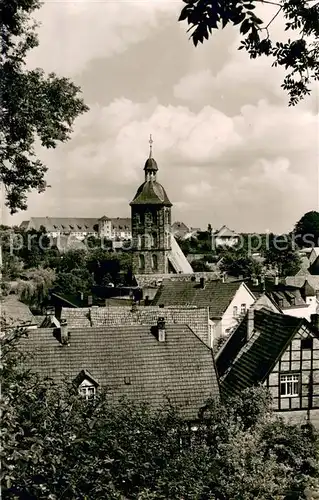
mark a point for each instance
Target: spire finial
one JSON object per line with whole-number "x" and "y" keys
{"x": 151, "y": 145}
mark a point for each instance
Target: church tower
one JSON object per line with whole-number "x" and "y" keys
{"x": 151, "y": 223}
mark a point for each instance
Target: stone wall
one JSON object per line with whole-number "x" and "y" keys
{"x": 150, "y": 239}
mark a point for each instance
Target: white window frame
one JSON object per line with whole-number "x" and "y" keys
{"x": 87, "y": 390}
{"x": 235, "y": 311}
{"x": 243, "y": 309}
{"x": 290, "y": 383}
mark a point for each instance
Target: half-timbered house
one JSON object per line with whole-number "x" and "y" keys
{"x": 279, "y": 351}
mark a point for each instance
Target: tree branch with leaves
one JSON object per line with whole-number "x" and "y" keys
{"x": 33, "y": 107}
{"x": 299, "y": 55}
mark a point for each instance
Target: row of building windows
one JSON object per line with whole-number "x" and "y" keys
{"x": 151, "y": 218}
{"x": 289, "y": 386}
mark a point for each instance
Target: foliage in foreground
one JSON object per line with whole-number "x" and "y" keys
{"x": 298, "y": 56}
{"x": 34, "y": 107}
{"x": 57, "y": 446}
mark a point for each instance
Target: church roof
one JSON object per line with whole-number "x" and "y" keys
{"x": 151, "y": 164}
{"x": 151, "y": 192}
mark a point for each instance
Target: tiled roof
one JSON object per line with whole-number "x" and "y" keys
{"x": 74, "y": 224}
{"x": 130, "y": 361}
{"x": 285, "y": 296}
{"x": 225, "y": 232}
{"x": 216, "y": 295}
{"x": 196, "y": 319}
{"x": 121, "y": 224}
{"x": 64, "y": 224}
{"x": 299, "y": 280}
{"x": 15, "y": 312}
{"x": 243, "y": 364}
{"x": 179, "y": 226}
{"x": 151, "y": 192}
{"x": 156, "y": 279}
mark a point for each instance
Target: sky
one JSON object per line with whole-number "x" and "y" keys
{"x": 229, "y": 149}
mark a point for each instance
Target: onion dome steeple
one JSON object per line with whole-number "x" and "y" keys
{"x": 150, "y": 167}
{"x": 151, "y": 192}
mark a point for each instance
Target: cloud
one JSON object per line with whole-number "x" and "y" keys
{"x": 73, "y": 33}
{"x": 252, "y": 171}
{"x": 240, "y": 80}
{"x": 229, "y": 150}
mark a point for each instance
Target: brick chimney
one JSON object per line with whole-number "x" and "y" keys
{"x": 314, "y": 319}
{"x": 161, "y": 332}
{"x": 202, "y": 282}
{"x": 134, "y": 307}
{"x": 64, "y": 332}
{"x": 90, "y": 300}
{"x": 250, "y": 322}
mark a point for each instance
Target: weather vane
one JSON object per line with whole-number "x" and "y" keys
{"x": 151, "y": 144}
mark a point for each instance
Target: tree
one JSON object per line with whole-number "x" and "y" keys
{"x": 299, "y": 56}
{"x": 109, "y": 267}
{"x": 34, "y": 290}
{"x": 281, "y": 256}
{"x": 200, "y": 265}
{"x": 73, "y": 282}
{"x": 33, "y": 106}
{"x": 55, "y": 445}
{"x": 306, "y": 232}
{"x": 238, "y": 263}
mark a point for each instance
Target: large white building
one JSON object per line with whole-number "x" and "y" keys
{"x": 80, "y": 227}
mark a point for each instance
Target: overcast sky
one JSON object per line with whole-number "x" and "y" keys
{"x": 229, "y": 149}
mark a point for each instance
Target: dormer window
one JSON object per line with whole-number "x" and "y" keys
{"x": 87, "y": 390}
{"x": 87, "y": 385}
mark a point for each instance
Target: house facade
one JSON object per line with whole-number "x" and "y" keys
{"x": 80, "y": 228}
{"x": 280, "y": 352}
{"x": 227, "y": 302}
{"x": 225, "y": 237}
{"x": 295, "y": 298}
{"x": 236, "y": 310}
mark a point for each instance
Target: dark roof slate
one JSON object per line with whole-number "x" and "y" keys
{"x": 151, "y": 193}
{"x": 195, "y": 318}
{"x": 216, "y": 295}
{"x": 129, "y": 361}
{"x": 150, "y": 165}
{"x": 242, "y": 364}
{"x": 15, "y": 312}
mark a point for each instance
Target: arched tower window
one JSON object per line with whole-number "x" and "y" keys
{"x": 154, "y": 240}
{"x": 154, "y": 262}
{"x": 141, "y": 261}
